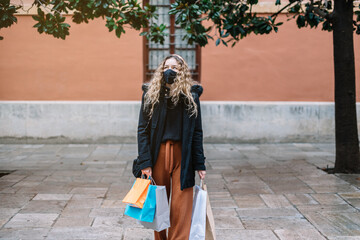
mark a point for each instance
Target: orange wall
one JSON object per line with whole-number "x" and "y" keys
{"x": 93, "y": 64}
{"x": 290, "y": 65}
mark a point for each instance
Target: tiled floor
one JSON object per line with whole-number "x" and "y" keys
{"x": 257, "y": 191}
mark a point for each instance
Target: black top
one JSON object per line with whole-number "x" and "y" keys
{"x": 173, "y": 121}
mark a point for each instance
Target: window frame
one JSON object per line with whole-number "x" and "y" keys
{"x": 147, "y": 73}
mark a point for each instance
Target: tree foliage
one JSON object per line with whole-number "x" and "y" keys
{"x": 119, "y": 14}
{"x": 232, "y": 19}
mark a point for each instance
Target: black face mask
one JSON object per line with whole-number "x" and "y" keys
{"x": 169, "y": 76}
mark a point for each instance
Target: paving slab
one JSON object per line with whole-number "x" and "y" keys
{"x": 74, "y": 221}
{"x": 52, "y": 197}
{"x": 138, "y": 233}
{"x": 24, "y": 233}
{"x": 249, "y": 201}
{"x": 44, "y": 206}
{"x": 300, "y": 234}
{"x": 300, "y": 199}
{"x": 230, "y": 234}
{"x": 76, "y": 212}
{"x": 67, "y": 233}
{"x": 328, "y": 198}
{"x": 336, "y": 224}
{"x": 276, "y": 201}
{"x": 84, "y": 203}
{"x": 265, "y": 213}
{"x": 32, "y": 220}
{"x": 15, "y": 200}
{"x": 257, "y": 191}
{"x": 277, "y": 223}
{"x": 227, "y": 222}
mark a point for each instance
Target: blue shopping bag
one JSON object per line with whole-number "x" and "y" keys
{"x": 146, "y": 213}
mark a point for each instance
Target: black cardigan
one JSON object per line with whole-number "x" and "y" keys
{"x": 150, "y": 135}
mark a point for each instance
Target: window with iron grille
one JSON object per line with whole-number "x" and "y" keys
{"x": 154, "y": 53}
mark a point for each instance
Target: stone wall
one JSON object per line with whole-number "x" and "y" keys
{"x": 116, "y": 121}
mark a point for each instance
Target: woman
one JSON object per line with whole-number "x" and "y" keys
{"x": 170, "y": 139}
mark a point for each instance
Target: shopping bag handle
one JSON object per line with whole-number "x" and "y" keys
{"x": 152, "y": 181}
{"x": 149, "y": 178}
{"x": 144, "y": 176}
{"x": 202, "y": 183}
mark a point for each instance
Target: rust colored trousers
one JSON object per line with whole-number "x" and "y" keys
{"x": 166, "y": 172}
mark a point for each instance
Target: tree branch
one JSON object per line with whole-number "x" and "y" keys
{"x": 282, "y": 9}
{"x": 46, "y": 7}
{"x": 321, "y": 13}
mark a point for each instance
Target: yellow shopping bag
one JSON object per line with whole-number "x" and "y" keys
{"x": 137, "y": 194}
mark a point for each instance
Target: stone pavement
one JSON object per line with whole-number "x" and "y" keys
{"x": 257, "y": 191}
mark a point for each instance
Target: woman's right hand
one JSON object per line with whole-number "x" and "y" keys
{"x": 147, "y": 171}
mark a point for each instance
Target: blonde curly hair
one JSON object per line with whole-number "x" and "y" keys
{"x": 182, "y": 85}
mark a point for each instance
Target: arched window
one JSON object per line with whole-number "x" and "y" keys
{"x": 153, "y": 53}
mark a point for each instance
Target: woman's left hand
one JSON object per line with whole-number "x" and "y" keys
{"x": 202, "y": 174}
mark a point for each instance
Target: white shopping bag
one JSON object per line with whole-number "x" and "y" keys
{"x": 162, "y": 212}
{"x": 198, "y": 218}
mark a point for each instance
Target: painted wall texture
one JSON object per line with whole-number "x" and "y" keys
{"x": 93, "y": 64}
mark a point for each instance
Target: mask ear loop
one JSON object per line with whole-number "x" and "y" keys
{"x": 163, "y": 83}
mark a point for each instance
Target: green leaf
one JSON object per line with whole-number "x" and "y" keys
{"x": 242, "y": 31}
{"x": 98, "y": 3}
{"x": 119, "y": 30}
{"x": 217, "y": 42}
{"x": 35, "y": 17}
{"x": 311, "y": 15}
{"x": 252, "y": 2}
{"x": 278, "y": 2}
{"x": 327, "y": 26}
{"x": 162, "y": 27}
{"x": 40, "y": 12}
{"x": 300, "y": 21}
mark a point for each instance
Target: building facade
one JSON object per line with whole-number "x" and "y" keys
{"x": 93, "y": 81}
